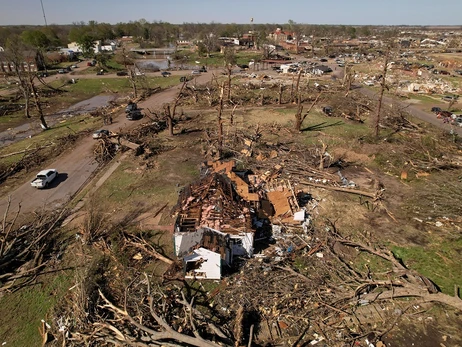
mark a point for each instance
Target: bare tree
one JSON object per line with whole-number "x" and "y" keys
{"x": 230, "y": 61}
{"x": 297, "y": 34}
{"x": 348, "y": 78}
{"x": 281, "y": 90}
{"x": 299, "y": 118}
{"x": 219, "y": 120}
{"x": 297, "y": 85}
{"x": 131, "y": 72}
{"x": 382, "y": 90}
{"x": 210, "y": 42}
{"x": 170, "y": 113}
{"x": 16, "y": 52}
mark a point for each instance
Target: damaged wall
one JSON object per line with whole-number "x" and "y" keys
{"x": 202, "y": 264}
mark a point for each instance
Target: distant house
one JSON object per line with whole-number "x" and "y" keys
{"x": 77, "y": 48}
{"x": 68, "y": 53}
{"x": 183, "y": 43}
{"x": 126, "y": 39}
{"x": 280, "y": 35}
{"x": 28, "y": 65}
{"x": 109, "y": 48}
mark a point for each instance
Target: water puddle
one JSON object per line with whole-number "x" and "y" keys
{"x": 28, "y": 130}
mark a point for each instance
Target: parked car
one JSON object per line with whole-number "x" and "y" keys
{"x": 131, "y": 107}
{"x": 450, "y": 97}
{"x": 134, "y": 115}
{"x": 195, "y": 72}
{"x": 42, "y": 74}
{"x": 328, "y": 110}
{"x": 61, "y": 71}
{"x": 98, "y": 134}
{"x": 369, "y": 83}
{"x": 122, "y": 73}
{"x": 100, "y": 72}
{"x": 458, "y": 121}
{"x": 165, "y": 73}
{"x": 436, "y": 109}
{"x": 44, "y": 178}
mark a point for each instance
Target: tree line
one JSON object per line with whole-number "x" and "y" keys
{"x": 160, "y": 34}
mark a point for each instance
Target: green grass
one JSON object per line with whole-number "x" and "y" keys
{"x": 425, "y": 99}
{"x": 70, "y": 126}
{"x": 22, "y": 311}
{"x": 439, "y": 261}
{"x": 120, "y": 184}
{"x": 97, "y": 86}
{"x": 112, "y": 64}
{"x": 216, "y": 59}
{"x": 364, "y": 261}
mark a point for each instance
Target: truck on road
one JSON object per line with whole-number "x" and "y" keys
{"x": 44, "y": 178}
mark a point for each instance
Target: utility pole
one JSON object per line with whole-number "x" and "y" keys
{"x": 43, "y": 11}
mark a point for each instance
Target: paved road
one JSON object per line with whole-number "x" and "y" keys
{"x": 77, "y": 167}
{"x": 413, "y": 110}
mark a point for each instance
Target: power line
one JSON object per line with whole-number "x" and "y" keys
{"x": 43, "y": 10}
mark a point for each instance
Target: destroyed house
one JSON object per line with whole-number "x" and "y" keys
{"x": 212, "y": 216}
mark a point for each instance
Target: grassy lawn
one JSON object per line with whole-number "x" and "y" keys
{"x": 22, "y": 311}
{"x": 439, "y": 261}
{"x": 216, "y": 59}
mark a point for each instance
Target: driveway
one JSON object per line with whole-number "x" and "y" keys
{"x": 76, "y": 168}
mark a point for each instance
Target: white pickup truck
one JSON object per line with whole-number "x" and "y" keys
{"x": 44, "y": 178}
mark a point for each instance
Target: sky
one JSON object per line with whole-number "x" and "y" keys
{"x": 347, "y": 12}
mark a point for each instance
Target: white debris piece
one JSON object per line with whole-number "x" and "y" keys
{"x": 299, "y": 216}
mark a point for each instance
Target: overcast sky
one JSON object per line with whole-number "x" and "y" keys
{"x": 348, "y": 12}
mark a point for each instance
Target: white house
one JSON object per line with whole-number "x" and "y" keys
{"x": 109, "y": 48}
{"x": 74, "y": 46}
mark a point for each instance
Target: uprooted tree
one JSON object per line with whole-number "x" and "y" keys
{"x": 26, "y": 250}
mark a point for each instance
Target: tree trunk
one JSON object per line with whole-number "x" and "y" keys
{"x": 292, "y": 96}
{"x": 297, "y": 86}
{"x": 220, "y": 123}
{"x": 38, "y": 105}
{"x": 281, "y": 89}
{"x": 228, "y": 96}
{"x": 298, "y": 116}
{"x": 169, "y": 120}
{"x": 26, "y": 94}
{"x": 382, "y": 90}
